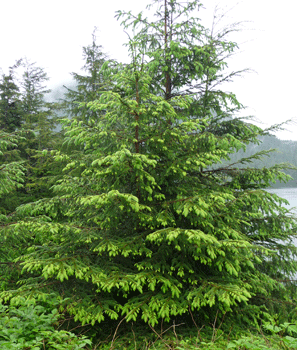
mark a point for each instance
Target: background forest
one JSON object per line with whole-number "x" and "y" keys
{"x": 135, "y": 210}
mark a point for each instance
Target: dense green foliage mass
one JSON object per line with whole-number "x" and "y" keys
{"x": 25, "y": 114}
{"x": 28, "y": 325}
{"x": 11, "y": 172}
{"x": 140, "y": 213}
{"x": 87, "y": 87}
{"x": 10, "y": 103}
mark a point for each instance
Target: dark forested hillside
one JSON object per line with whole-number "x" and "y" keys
{"x": 285, "y": 152}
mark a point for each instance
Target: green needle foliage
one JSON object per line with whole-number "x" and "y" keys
{"x": 87, "y": 87}
{"x": 38, "y": 128}
{"x": 12, "y": 174}
{"x": 10, "y": 103}
{"x": 11, "y": 171}
{"x": 147, "y": 223}
{"x": 39, "y": 117}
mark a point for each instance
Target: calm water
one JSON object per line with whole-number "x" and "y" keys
{"x": 290, "y": 194}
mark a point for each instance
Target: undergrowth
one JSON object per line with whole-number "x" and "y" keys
{"x": 36, "y": 325}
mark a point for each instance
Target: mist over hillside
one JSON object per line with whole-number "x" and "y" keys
{"x": 285, "y": 152}
{"x": 57, "y": 93}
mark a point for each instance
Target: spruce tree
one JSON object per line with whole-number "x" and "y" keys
{"x": 147, "y": 224}
{"x": 21, "y": 160}
{"x": 185, "y": 58}
{"x": 12, "y": 174}
{"x": 10, "y": 104}
{"x": 39, "y": 122}
{"x": 88, "y": 86}
{"x": 11, "y": 117}
{"x": 39, "y": 115}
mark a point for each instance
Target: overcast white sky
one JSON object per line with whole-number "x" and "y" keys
{"x": 52, "y": 34}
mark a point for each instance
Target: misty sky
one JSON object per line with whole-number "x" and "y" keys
{"x": 52, "y": 34}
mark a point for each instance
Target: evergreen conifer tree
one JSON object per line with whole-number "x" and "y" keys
{"x": 39, "y": 117}
{"x": 88, "y": 86}
{"x": 11, "y": 117}
{"x": 10, "y": 104}
{"x": 39, "y": 123}
{"x": 21, "y": 160}
{"x": 145, "y": 224}
{"x": 12, "y": 173}
{"x": 34, "y": 120}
